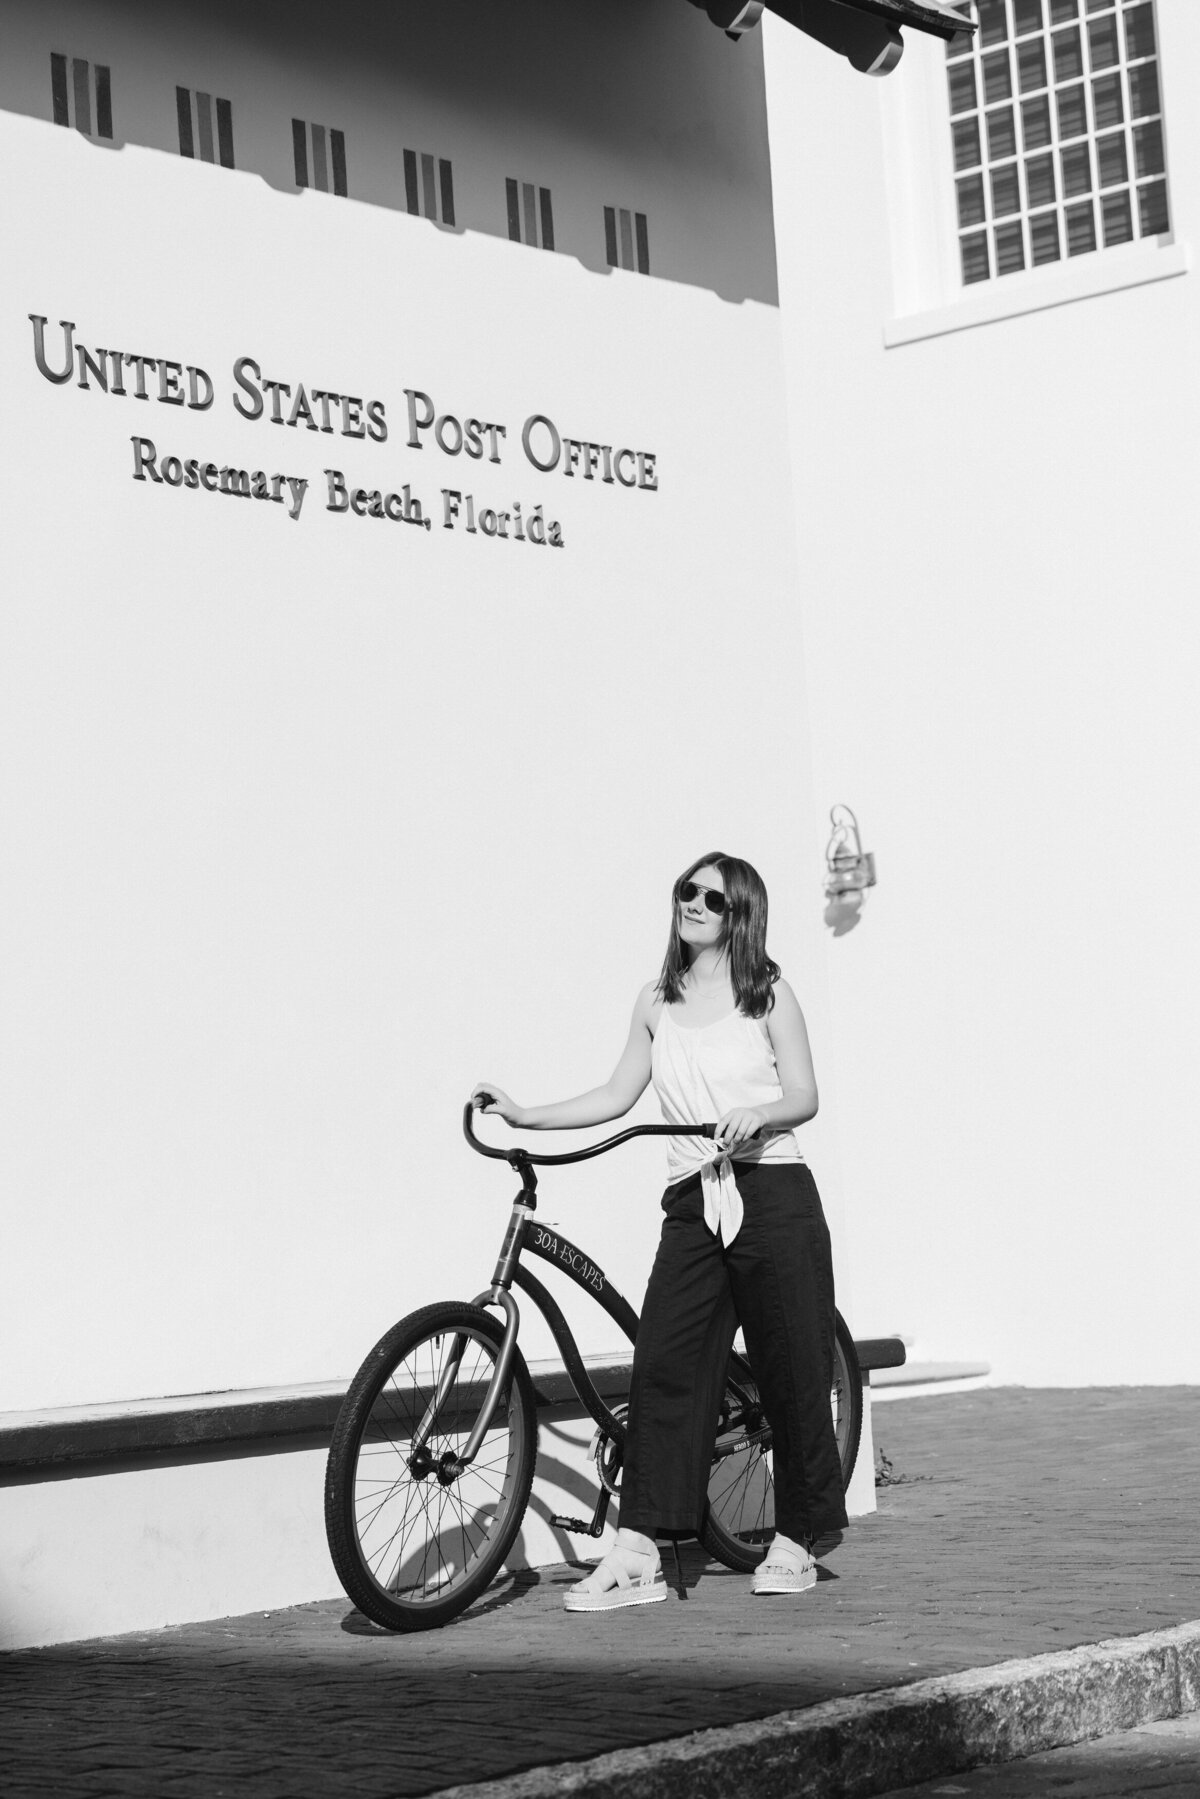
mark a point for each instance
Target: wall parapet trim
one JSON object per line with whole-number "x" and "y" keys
{"x": 241, "y": 1416}
{"x": 191, "y": 1422}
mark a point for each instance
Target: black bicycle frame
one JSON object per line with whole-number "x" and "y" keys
{"x": 550, "y": 1244}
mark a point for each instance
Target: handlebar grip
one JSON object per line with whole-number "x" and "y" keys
{"x": 484, "y": 1149}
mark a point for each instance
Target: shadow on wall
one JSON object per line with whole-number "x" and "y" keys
{"x": 843, "y": 912}
{"x": 631, "y": 136}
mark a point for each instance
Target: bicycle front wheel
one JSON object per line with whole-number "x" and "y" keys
{"x": 415, "y": 1538}
{"x": 739, "y": 1518}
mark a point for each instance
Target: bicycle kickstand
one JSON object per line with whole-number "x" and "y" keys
{"x": 683, "y": 1592}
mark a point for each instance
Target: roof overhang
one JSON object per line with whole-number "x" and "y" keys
{"x": 939, "y": 19}
{"x": 865, "y": 32}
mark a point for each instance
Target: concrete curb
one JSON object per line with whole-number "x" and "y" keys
{"x": 852, "y": 1748}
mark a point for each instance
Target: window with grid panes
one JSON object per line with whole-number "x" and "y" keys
{"x": 1056, "y": 116}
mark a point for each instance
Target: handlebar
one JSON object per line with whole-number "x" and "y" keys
{"x": 593, "y": 1149}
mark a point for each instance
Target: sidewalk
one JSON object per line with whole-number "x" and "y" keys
{"x": 1020, "y": 1522}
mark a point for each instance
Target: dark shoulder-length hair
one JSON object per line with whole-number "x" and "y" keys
{"x": 743, "y": 936}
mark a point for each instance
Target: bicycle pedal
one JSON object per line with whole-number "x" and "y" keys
{"x": 578, "y": 1525}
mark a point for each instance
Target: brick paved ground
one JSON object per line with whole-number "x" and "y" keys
{"x": 1023, "y": 1521}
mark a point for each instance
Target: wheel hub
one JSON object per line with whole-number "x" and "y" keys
{"x": 449, "y": 1469}
{"x": 421, "y": 1463}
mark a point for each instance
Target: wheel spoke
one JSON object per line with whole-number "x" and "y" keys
{"x": 741, "y": 1489}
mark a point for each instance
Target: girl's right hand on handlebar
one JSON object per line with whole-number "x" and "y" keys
{"x": 494, "y": 1102}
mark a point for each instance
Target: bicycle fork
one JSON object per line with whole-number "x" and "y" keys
{"x": 498, "y": 1294}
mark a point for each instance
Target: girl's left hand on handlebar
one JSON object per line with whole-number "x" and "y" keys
{"x": 740, "y": 1125}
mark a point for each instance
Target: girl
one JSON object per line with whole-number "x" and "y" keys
{"x": 743, "y": 1239}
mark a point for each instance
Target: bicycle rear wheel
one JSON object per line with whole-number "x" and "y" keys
{"x": 414, "y": 1541}
{"x": 739, "y": 1518}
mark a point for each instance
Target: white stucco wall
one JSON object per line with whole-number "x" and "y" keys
{"x": 999, "y": 577}
{"x": 309, "y": 824}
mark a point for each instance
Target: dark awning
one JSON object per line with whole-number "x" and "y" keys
{"x": 866, "y": 32}
{"x": 940, "y": 20}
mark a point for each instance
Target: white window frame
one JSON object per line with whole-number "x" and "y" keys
{"x": 929, "y": 298}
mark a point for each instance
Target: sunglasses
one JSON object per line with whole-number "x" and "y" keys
{"x": 714, "y": 899}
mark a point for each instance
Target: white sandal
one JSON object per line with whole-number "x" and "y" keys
{"x": 784, "y": 1575}
{"x": 643, "y": 1589}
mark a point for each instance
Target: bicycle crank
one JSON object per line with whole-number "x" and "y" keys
{"x": 579, "y": 1527}
{"x": 605, "y": 1451}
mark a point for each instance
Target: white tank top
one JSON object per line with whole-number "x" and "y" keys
{"x": 701, "y": 1072}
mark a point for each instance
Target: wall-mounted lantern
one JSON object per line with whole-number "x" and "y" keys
{"x": 850, "y": 871}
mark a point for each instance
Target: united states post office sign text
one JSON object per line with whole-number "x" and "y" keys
{"x": 256, "y": 396}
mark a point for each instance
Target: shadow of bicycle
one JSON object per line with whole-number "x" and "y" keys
{"x": 504, "y": 1591}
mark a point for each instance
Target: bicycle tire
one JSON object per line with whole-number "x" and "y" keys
{"x": 413, "y": 1549}
{"x": 739, "y": 1516}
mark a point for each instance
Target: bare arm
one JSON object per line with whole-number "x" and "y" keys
{"x": 625, "y": 1085}
{"x": 793, "y": 1059}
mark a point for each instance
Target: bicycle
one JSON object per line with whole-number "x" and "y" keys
{"x": 432, "y": 1459}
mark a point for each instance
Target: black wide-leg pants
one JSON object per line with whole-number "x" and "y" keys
{"x": 776, "y": 1280}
